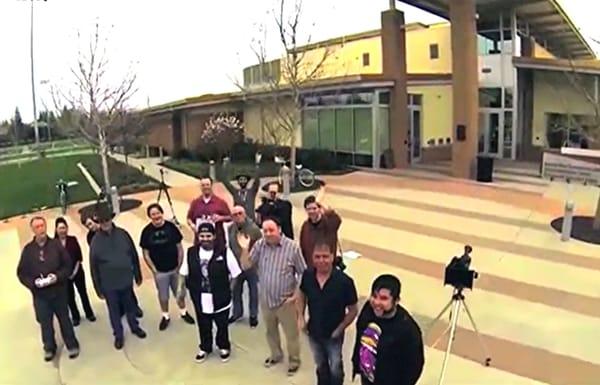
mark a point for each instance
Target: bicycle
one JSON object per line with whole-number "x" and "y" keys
{"x": 304, "y": 175}
{"x": 63, "y": 198}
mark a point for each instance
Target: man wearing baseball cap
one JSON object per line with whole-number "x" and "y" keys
{"x": 208, "y": 270}
{"x": 389, "y": 346}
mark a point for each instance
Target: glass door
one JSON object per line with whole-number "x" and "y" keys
{"x": 491, "y": 132}
{"x": 414, "y": 134}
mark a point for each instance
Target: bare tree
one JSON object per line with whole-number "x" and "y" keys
{"x": 127, "y": 131}
{"x": 592, "y": 129}
{"x": 284, "y": 80}
{"x": 98, "y": 99}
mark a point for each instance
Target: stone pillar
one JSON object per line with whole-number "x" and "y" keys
{"x": 393, "y": 44}
{"x": 465, "y": 88}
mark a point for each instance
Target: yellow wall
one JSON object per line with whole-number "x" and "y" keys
{"x": 417, "y": 49}
{"x": 554, "y": 93}
{"x": 342, "y": 59}
{"x": 436, "y": 111}
{"x": 541, "y": 52}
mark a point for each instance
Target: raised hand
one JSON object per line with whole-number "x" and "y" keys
{"x": 243, "y": 240}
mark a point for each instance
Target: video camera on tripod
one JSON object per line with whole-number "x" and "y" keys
{"x": 458, "y": 273}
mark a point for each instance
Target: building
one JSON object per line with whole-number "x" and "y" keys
{"x": 394, "y": 89}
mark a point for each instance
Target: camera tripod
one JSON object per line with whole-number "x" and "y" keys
{"x": 162, "y": 188}
{"x": 456, "y": 302}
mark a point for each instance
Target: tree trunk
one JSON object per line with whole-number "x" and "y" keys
{"x": 104, "y": 159}
{"x": 293, "y": 161}
{"x": 597, "y": 217}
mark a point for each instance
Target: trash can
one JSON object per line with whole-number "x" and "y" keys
{"x": 485, "y": 168}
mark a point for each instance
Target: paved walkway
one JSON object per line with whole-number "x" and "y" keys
{"x": 537, "y": 301}
{"x": 152, "y": 168}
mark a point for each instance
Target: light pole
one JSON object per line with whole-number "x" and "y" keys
{"x": 35, "y": 122}
{"x": 49, "y": 131}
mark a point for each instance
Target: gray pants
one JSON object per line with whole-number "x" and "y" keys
{"x": 166, "y": 281}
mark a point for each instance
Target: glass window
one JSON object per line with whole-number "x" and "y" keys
{"x": 328, "y": 100}
{"x": 384, "y": 128}
{"x": 327, "y": 129}
{"x": 247, "y": 76}
{"x": 363, "y": 130}
{"x": 344, "y": 133}
{"x": 311, "y": 100}
{"x": 508, "y": 127}
{"x": 490, "y": 97}
{"x": 366, "y": 59}
{"x": 384, "y": 98}
{"x": 415, "y": 100}
{"x": 310, "y": 129}
{"x": 434, "y": 51}
{"x": 508, "y": 98}
{"x": 362, "y": 98}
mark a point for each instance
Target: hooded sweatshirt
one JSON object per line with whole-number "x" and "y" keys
{"x": 388, "y": 351}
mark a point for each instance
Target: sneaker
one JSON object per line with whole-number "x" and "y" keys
{"x": 49, "y": 355}
{"x": 187, "y": 318}
{"x": 76, "y": 322}
{"x": 140, "y": 333}
{"x": 201, "y": 356}
{"x": 91, "y": 318}
{"x": 139, "y": 313}
{"x": 292, "y": 370}
{"x": 74, "y": 353}
{"x": 164, "y": 323}
{"x": 234, "y": 319}
{"x": 224, "y": 354}
{"x": 119, "y": 343}
{"x": 253, "y": 322}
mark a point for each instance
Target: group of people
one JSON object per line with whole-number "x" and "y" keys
{"x": 301, "y": 287}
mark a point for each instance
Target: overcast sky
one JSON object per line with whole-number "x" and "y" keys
{"x": 179, "y": 48}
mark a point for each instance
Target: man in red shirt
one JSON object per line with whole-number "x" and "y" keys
{"x": 209, "y": 208}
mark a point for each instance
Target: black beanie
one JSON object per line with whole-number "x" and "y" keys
{"x": 387, "y": 281}
{"x": 206, "y": 227}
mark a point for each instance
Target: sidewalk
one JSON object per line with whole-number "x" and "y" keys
{"x": 152, "y": 168}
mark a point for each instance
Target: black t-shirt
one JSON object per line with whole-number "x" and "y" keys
{"x": 161, "y": 243}
{"x": 327, "y": 305}
{"x": 280, "y": 209}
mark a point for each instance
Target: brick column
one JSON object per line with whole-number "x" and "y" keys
{"x": 465, "y": 87}
{"x": 393, "y": 44}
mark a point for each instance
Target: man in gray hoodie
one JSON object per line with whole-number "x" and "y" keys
{"x": 114, "y": 265}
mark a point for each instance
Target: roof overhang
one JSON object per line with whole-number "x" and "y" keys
{"x": 546, "y": 19}
{"x": 557, "y": 65}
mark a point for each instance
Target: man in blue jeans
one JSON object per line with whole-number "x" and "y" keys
{"x": 114, "y": 264}
{"x": 332, "y": 306}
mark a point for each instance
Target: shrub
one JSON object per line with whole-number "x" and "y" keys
{"x": 318, "y": 159}
{"x": 244, "y": 151}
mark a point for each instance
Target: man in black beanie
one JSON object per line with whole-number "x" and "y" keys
{"x": 207, "y": 271}
{"x": 389, "y": 346}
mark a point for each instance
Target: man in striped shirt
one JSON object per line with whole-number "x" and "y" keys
{"x": 280, "y": 266}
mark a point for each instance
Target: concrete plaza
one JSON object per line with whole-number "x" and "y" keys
{"x": 537, "y": 301}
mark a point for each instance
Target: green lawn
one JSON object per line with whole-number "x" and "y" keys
{"x": 31, "y": 185}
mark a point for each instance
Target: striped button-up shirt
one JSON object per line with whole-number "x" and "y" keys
{"x": 280, "y": 268}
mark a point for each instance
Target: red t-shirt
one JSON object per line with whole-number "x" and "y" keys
{"x": 202, "y": 211}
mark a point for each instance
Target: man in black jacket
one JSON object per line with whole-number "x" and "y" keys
{"x": 389, "y": 346}
{"x": 44, "y": 268}
{"x": 91, "y": 223}
{"x": 114, "y": 264}
{"x": 207, "y": 271}
{"x": 274, "y": 207}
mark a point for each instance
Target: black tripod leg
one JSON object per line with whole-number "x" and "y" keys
{"x": 160, "y": 190}
{"x": 482, "y": 344}
{"x": 171, "y": 206}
